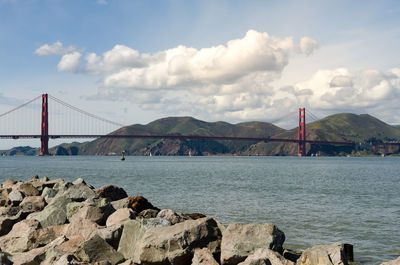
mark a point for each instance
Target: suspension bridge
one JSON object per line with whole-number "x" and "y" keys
{"x": 59, "y": 119}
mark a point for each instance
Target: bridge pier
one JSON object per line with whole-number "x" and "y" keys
{"x": 301, "y": 150}
{"x": 44, "y": 134}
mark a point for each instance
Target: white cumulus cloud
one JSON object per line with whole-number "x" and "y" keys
{"x": 186, "y": 66}
{"x": 57, "y": 48}
{"x": 69, "y": 62}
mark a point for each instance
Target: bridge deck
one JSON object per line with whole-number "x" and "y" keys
{"x": 189, "y": 137}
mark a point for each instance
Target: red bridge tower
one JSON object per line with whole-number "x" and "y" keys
{"x": 301, "y": 151}
{"x": 44, "y": 135}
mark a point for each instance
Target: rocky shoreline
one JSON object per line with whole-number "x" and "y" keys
{"x": 58, "y": 222}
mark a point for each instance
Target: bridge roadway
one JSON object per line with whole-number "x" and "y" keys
{"x": 189, "y": 137}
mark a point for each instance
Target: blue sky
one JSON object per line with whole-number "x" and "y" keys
{"x": 135, "y": 61}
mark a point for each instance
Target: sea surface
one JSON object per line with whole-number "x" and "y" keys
{"x": 313, "y": 200}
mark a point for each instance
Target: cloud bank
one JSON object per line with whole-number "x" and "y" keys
{"x": 232, "y": 81}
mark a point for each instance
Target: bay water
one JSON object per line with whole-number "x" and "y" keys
{"x": 313, "y": 200}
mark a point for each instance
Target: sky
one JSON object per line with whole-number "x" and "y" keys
{"x": 134, "y": 61}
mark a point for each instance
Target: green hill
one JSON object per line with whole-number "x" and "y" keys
{"x": 340, "y": 127}
{"x": 183, "y": 126}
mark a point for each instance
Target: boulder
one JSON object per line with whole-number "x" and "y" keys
{"x": 120, "y": 216}
{"x": 82, "y": 228}
{"x": 79, "y": 181}
{"x": 92, "y": 213}
{"x": 239, "y": 241}
{"x": 28, "y": 189}
{"x": 8, "y": 183}
{"x": 176, "y": 244}
{"x": 323, "y": 254}
{"x": 62, "y": 186}
{"x": 133, "y": 232}
{"x": 73, "y": 207}
{"x": 15, "y": 197}
{"x": 111, "y": 234}
{"x": 46, "y": 235}
{"x": 113, "y": 192}
{"x": 203, "y": 257}
{"x": 264, "y": 256}
{"x": 172, "y": 216}
{"x": 97, "y": 249}
{"x": 48, "y": 194}
{"x": 18, "y": 239}
{"x": 54, "y": 213}
{"x": 392, "y": 262}
{"x": 140, "y": 203}
{"x": 79, "y": 193}
{"x": 123, "y": 203}
{"x": 148, "y": 213}
{"x": 37, "y": 255}
{"x": 33, "y": 203}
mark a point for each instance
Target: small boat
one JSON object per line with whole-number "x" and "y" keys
{"x": 190, "y": 153}
{"x": 150, "y": 154}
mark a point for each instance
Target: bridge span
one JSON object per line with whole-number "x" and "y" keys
{"x": 44, "y": 136}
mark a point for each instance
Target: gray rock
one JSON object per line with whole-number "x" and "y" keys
{"x": 392, "y": 262}
{"x": 176, "y": 244}
{"x": 120, "y": 217}
{"x": 323, "y": 254}
{"x": 53, "y": 214}
{"x": 48, "y": 194}
{"x": 123, "y": 203}
{"x": 79, "y": 181}
{"x": 264, "y": 256}
{"x": 111, "y": 235}
{"x": 203, "y": 257}
{"x": 37, "y": 255}
{"x": 133, "y": 232}
{"x": 172, "y": 216}
{"x": 79, "y": 193}
{"x": 15, "y": 197}
{"x": 239, "y": 241}
{"x": 154, "y": 222}
{"x": 97, "y": 249}
{"x": 62, "y": 186}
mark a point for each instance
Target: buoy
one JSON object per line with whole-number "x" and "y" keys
{"x": 123, "y": 156}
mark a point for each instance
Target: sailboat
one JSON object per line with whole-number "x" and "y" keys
{"x": 150, "y": 154}
{"x": 190, "y": 153}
